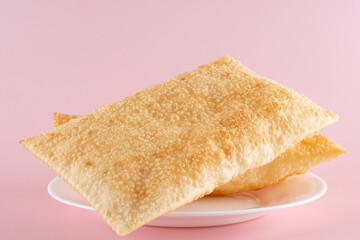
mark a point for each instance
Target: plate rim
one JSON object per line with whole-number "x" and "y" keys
{"x": 320, "y": 190}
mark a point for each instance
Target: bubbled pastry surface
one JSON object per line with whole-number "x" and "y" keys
{"x": 169, "y": 144}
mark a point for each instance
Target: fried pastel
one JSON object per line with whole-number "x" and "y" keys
{"x": 174, "y": 142}
{"x": 297, "y": 159}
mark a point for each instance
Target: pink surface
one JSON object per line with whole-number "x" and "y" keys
{"x": 73, "y": 56}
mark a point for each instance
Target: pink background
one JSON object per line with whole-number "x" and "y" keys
{"x": 73, "y": 56}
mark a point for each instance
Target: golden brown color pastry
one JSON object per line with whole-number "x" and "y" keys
{"x": 298, "y": 159}
{"x": 169, "y": 144}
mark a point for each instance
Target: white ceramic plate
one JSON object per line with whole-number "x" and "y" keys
{"x": 220, "y": 210}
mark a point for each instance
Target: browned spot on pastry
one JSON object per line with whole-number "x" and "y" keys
{"x": 236, "y": 118}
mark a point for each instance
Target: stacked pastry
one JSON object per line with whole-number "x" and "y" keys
{"x": 219, "y": 129}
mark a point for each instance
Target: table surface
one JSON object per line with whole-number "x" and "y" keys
{"x": 74, "y": 56}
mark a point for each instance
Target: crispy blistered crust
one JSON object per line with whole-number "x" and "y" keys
{"x": 60, "y": 119}
{"x": 169, "y": 144}
{"x": 297, "y": 159}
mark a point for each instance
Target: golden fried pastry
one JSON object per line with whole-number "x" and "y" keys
{"x": 174, "y": 142}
